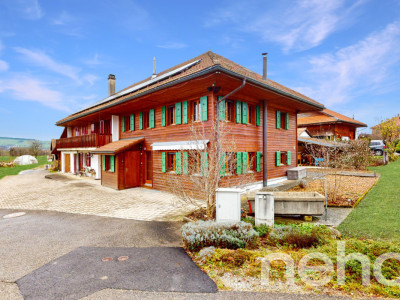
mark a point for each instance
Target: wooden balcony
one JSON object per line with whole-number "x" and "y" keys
{"x": 84, "y": 141}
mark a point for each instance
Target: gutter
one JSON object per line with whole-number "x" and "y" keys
{"x": 192, "y": 76}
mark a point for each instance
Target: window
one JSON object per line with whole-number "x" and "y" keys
{"x": 252, "y": 161}
{"x": 109, "y": 163}
{"x": 77, "y": 131}
{"x": 171, "y": 161}
{"x": 230, "y": 162}
{"x": 196, "y": 111}
{"x": 171, "y": 115}
{"x": 229, "y": 111}
{"x": 283, "y": 157}
{"x": 146, "y": 119}
{"x": 92, "y": 128}
{"x": 84, "y": 130}
{"x": 250, "y": 115}
{"x": 282, "y": 120}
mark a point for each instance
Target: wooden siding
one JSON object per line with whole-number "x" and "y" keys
{"x": 339, "y": 130}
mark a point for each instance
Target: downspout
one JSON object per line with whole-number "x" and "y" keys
{"x": 265, "y": 156}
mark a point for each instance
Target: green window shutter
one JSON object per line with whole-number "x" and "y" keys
{"x": 112, "y": 163}
{"x": 245, "y": 110}
{"x": 278, "y": 158}
{"x": 258, "y": 115}
{"x": 245, "y": 157}
{"x": 185, "y": 163}
{"x": 178, "y": 113}
{"x": 288, "y": 158}
{"x": 221, "y": 109}
{"x": 185, "y": 112}
{"x": 164, "y": 161}
{"x": 164, "y": 116}
{"x": 239, "y": 163}
{"x": 278, "y": 119}
{"x": 238, "y": 112}
{"x": 222, "y": 162}
{"x": 178, "y": 163}
{"x": 104, "y": 162}
{"x": 152, "y": 125}
{"x": 258, "y": 161}
{"x": 123, "y": 124}
{"x": 204, "y": 163}
{"x": 132, "y": 122}
{"x": 141, "y": 120}
{"x": 204, "y": 110}
{"x": 287, "y": 121}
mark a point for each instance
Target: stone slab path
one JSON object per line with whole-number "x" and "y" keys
{"x": 71, "y": 194}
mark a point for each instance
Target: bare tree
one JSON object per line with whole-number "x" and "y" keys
{"x": 35, "y": 148}
{"x": 206, "y": 164}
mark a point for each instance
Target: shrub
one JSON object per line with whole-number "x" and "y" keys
{"x": 262, "y": 230}
{"x": 305, "y": 235}
{"x": 231, "y": 235}
{"x": 398, "y": 147}
{"x": 249, "y": 220}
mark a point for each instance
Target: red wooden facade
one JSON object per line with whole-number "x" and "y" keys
{"x": 146, "y": 115}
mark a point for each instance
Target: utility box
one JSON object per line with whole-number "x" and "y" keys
{"x": 296, "y": 173}
{"x": 228, "y": 204}
{"x": 264, "y": 208}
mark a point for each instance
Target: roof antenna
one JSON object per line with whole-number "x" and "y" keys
{"x": 154, "y": 68}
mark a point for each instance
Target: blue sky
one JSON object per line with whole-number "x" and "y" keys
{"x": 55, "y": 56}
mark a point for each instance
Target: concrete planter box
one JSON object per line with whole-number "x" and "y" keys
{"x": 296, "y": 173}
{"x": 299, "y": 203}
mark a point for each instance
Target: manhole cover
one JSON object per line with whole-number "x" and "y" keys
{"x": 14, "y": 215}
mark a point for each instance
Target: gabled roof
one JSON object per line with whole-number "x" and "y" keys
{"x": 322, "y": 142}
{"x": 326, "y": 116}
{"x": 302, "y": 130}
{"x": 200, "y": 65}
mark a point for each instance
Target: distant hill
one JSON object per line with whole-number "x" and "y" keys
{"x": 7, "y": 143}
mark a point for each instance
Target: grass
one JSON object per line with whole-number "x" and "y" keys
{"x": 15, "y": 170}
{"x": 377, "y": 215}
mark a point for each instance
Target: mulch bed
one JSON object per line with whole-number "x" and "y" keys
{"x": 347, "y": 188}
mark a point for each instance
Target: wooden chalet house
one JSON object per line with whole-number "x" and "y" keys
{"x": 132, "y": 137}
{"x": 329, "y": 124}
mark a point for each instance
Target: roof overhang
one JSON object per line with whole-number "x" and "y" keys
{"x": 200, "y": 73}
{"x": 118, "y": 146}
{"x": 181, "y": 145}
{"x": 322, "y": 143}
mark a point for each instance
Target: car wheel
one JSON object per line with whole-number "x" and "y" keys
{"x": 378, "y": 152}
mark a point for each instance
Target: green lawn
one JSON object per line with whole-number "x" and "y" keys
{"x": 15, "y": 170}
{"x": 378, "y": 214}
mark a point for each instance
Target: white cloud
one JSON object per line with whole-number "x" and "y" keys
{"x": 297, "y": 26}
{"x": 172, "y": 45}
{"x": 3, "y": 66}
{"x": 43, "y": 60}
{"x": 93, "y": 61}
{"x": 63, "y": 19}
{"x": 91, "y": 79}
{"x": 363, "y": 67}
{"x": 31, "y": 89}
{"x": 29, "y": 9}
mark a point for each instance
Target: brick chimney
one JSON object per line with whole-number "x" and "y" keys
{"x": 111, "y": 84}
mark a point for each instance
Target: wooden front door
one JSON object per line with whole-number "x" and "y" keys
{"x": 67, "y": 163}
{"x": 132, "y": 169}
{"x": 149, "y": 169}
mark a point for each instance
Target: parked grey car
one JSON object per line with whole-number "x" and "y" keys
{"x": 377, "y": 146}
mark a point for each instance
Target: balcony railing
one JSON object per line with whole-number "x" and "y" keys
{"x": 84, "y": 141}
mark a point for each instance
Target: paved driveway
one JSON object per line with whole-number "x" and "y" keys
{"x": 71, "y": 194}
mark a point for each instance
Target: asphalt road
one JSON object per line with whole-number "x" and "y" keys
{"x": 58, "y": 255}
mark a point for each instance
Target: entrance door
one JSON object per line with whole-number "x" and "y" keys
{"x": 149, "y": 168}
{"x": 132, "y": 169}
{"x": 67, "y": 163}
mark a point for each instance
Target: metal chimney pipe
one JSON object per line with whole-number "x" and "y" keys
{"x": 111, "y": 84}
{"x": 154, "y": 67}
{"x": 264, "y": 65}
